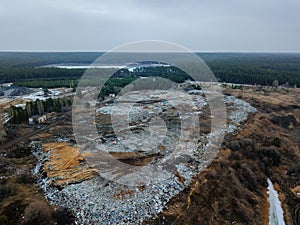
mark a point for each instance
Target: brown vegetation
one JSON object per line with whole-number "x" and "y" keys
{"x": 38, "y": 213}
{"x": 66, "y": 164}
{"x": 233, "y": 189}
{"x": 18, "y": 190}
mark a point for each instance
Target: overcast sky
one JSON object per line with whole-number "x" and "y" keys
{"x": 200, "y": 25}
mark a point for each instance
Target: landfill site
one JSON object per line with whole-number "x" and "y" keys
{"x": 145, "y": 154}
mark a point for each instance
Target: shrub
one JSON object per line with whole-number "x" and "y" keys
{"x": 25, "y": 178}
{"x": 4, "y": 220}
{"x": 6, "y": 191}
{"x": 277, "y": 142}
{"x": 38, "y": 213}
{"x": 63, "y": 216}
{"x": 248, "y": 177}
{"x": 19, "y": 151}
{"x": 236, "y": 165}
{"x": 270, "y": 156}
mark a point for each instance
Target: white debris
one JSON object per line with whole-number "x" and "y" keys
{"x": 99, "y": 201}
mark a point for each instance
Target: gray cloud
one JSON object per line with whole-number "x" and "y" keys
{"x": 202, "y": 25}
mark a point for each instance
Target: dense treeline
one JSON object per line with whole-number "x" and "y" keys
{"x": 23, "y": 74}
{"x": 260, "y": 69}
{"x": 48, "y": 83}
{"x": 36, "y": 59}
{"x": 17, "y": 66}
{"x": 172, "y": 73}
{"x": 120, "y": 79}
{"x": 38, "y": 107}
{"x": 123, "y": 77}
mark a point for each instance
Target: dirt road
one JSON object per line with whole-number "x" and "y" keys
{"x": 31, "y": 134}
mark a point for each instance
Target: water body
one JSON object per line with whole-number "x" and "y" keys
{"x": 130, "y": 66}
{"x": 83, "y": 66}
{"x": 275, "y": 211}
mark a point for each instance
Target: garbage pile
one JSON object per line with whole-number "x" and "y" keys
{"x": 149, "y": 125}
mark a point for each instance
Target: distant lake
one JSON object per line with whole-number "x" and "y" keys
{"x": 82, "y": 66}
{"x": 130, "y": 66}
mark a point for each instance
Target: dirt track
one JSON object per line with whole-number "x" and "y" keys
{"x": 29, "y": 135}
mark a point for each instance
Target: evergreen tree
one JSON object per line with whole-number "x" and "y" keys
{"x": 29, "y": 108}
{"x": 46, "y": 92}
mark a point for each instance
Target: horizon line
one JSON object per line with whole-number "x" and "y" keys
{"x": 102, "y": 51}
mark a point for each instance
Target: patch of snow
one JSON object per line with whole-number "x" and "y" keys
{"x": 275, "y": 211}
{"x": 6, "y": 117}
{"x": 23, "y": 105}
{"x": 53, "y": 93}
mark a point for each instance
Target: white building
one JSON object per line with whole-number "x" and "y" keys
{"x": 37, "y": 119}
